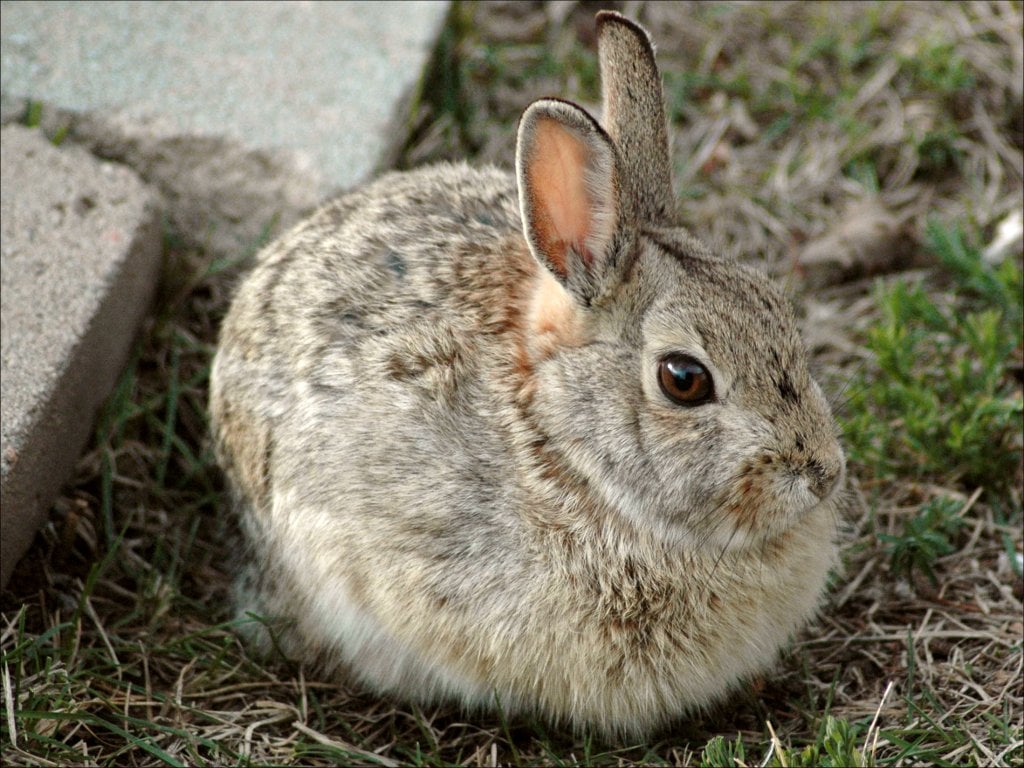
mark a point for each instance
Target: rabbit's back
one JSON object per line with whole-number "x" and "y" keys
{"x": 348, "y": 400}
{"x": 367, "y": 305}
{"x": 375, "y": 260}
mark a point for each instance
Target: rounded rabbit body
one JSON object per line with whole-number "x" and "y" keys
{"x": 521, "y": 439}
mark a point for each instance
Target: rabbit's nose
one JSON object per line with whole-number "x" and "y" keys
{"x": 823, "y": 476}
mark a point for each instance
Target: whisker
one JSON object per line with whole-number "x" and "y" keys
{"x": 839, "y": 401}
{"x": 718, "y": 560}
{"x": 712, "y": 513}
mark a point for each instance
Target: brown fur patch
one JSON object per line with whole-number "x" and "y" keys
{"x": 554, "y": 318}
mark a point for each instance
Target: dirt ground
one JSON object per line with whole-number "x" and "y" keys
{"x": 842, "y": 147}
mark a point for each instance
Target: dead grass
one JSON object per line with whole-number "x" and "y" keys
{"x": 790, "y": 121}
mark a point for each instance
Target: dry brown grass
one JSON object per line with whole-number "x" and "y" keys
{"x": 794, "y": 125}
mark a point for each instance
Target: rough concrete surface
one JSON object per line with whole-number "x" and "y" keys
{"x": 243, "y": 114}
{"x": 80, "y": 246}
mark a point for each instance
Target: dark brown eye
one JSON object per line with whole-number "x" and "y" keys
{"x": 684, "y": 380}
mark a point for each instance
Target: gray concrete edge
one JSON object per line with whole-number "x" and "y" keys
{"x": 95, "y": 365}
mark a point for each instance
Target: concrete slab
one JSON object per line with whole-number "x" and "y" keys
{"x": 240, "y": 112}
{"x": 80, "y": 245}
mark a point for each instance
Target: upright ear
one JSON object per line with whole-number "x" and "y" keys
{"x": 568, "y": 177}
{"x": 634, "y": 115}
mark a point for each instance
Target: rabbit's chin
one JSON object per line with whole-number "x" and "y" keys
{"x": 739, "y": 536}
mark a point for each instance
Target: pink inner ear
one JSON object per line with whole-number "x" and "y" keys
{"x": 558, "y": 193}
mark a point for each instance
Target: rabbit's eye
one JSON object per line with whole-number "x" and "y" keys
{"x": 684, "y": 380}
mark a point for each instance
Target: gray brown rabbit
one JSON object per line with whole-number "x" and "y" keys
{"x": 522, "y": 440}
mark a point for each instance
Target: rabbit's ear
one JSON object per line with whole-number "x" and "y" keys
{"x": 634, "y": 115}
{"x": 569, "y": 195}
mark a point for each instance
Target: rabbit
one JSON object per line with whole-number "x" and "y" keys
{"x": 519, "y": 441}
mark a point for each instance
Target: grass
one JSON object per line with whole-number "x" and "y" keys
{"x": 117, "y": 643}
{"x": 939, "y": 402}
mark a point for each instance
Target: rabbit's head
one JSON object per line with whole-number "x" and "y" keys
{"x": 672, "y": 380}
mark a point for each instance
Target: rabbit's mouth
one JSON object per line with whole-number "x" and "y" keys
{"x": 766, "y": 501}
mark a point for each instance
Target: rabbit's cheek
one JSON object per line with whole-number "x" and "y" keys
{"x": 554, "y": 319}
{"x": 751, "y": 507}
{"x": 761, "y": 500}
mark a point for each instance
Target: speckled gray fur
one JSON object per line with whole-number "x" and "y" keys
{"x": 436, "y": 402}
